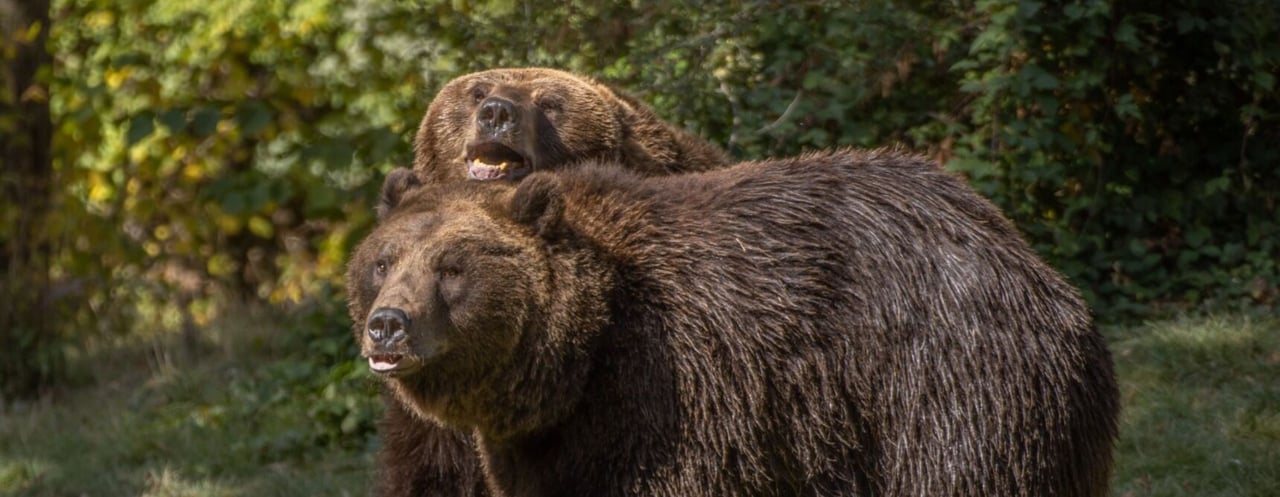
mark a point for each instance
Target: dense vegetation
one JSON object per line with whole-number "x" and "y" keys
{"x": 168, "y": 164}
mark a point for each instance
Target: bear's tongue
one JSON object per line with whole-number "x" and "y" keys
{"x": 478, "y": 169}
{"x": 492, "y": 160}
{"x": 382, "y": 363}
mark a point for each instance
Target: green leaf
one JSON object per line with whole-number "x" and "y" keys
{"x": 1126, "y": 108}
{"x": 1197, "y": 235}
{"x": 175, "y": 120}
{"x": 1127, "y": 34}
{"x": 1215, "y": 185}
{"x": 141, "y": 126}
{"x": 337, "y": 153}
{"x": 1039, "y": 78}
{"x": 205, "y": 121}
{"x": 233, "y": 203}
{"x": 321, "y": 199}
{"x": 1137, "y": 247}
{"x": 1265, "y": 80}
{"x": 253, "y": 117}
{"x": 1187, "y": 257}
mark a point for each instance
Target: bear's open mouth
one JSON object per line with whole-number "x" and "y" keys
{"x": 394, "y": 364}
{"x": 385, "y": 363}
{"x": 488, "y": 161}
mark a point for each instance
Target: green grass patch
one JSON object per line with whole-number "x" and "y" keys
{"x": 273, "y": 406}
{"x": 1201, "y": 400}
{"x": 277, "y": 407}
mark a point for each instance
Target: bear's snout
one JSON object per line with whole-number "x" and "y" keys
{"x": 497, "y": 115}
{"x": 387, "y": 326}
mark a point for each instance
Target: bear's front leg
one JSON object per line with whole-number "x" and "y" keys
{"x": 421, "y": 458}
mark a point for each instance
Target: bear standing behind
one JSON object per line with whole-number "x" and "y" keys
{"x": 502, "y": 124}
{"x": 507, "y": 123}
{"x": 855, "y": 323}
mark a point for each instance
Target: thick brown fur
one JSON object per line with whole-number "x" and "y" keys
{"x": 563, "y": 118}
{"x": 856, "y": 323}
{"x": 559, "y": 118}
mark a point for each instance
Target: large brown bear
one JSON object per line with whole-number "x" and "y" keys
{"x": 506, "y": 123}
{"x": 850, "y": 324}
{"x": 502, "y": 124}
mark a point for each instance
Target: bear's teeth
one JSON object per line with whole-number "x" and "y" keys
{"x": 500, "y": 166}
{"x": 379, "y": 363}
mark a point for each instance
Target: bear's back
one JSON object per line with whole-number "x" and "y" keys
{"x": 863, "y": 303}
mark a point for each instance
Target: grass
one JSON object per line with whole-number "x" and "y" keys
{"x": 256, "y": 416}
{"x": 1201, "y": 402}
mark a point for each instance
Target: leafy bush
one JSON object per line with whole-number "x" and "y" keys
{"x": 286, "y": 386}
{"x": 320, "y": 377}
{"x": 1135, "y": 144}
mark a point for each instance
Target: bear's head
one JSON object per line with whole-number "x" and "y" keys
{"x": 464, "y": 294}
{"x": 507, "y": 123}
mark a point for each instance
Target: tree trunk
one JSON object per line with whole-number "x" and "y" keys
{"x": 30, "y": 356}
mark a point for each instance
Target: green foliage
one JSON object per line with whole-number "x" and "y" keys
{"x": 219, "y": 148}
{"x": 308, "y": 394}
{"x": 1134, "y": 143}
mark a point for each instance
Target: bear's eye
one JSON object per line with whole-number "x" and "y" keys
{"x": 451, "y": 284}
{"x": 380, "y": 267}
{"x": 477, "y": 94}
{"x": 449, "y": 271}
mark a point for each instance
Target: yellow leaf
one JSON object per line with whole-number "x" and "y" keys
{"x": 100, "y": 19}
{"x": 220, "y": 265}
{"x": 100, "y": 190}
{"x": 139, "y": 152}
{"x": 230, "y": 225}
{"x": 33, "y": 31}
{"x": 117, "y": 77}
{"x": 260, "y": 226}
{"x": 193, "y": 172}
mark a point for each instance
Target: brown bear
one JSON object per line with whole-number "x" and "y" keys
{"x": 506, "y": 123}
{"x": 849, "y": 324}
{"x": 502, "y": 124}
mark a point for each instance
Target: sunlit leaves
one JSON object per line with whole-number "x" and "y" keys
{"x": 205, "y": 134}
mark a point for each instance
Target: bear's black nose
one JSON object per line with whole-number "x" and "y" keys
{"x": 496, "y": 115}
{"x": 386, "y": 324}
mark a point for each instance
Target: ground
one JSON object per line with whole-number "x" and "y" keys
{"x": 1201, "y": 417}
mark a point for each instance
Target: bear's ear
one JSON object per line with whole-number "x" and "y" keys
{"x": 399, "y": 181}
{"x": 538, "y": 203}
